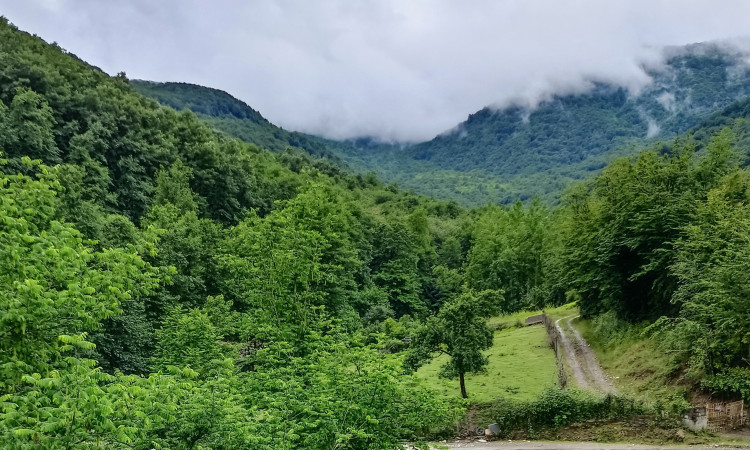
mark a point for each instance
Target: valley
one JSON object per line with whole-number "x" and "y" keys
{"x": 505, "y": 154}
{"x": 176, "y": 271}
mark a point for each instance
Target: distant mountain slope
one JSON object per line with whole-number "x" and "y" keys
{"x": 568, "y": 129}
{"x": 206, "y": 101}
{"x": 502, "y": 155}
{"x": 233, "y": 117}
{"x": 516, "y": 153}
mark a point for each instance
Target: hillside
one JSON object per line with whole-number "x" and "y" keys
{"x": 235, "y": 118}
{"x": 502, "y": 155}
{"x": 516, "y": 153}
{"x": 166, "y": 285}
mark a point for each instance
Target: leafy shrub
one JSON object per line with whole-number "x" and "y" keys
{"x": 557, "y": 408}
{"x": 732, "y": 381}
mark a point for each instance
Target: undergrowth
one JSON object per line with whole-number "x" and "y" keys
{"x": 557, "y": 408}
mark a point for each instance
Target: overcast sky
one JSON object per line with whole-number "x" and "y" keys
{"x": 395, "y": 69}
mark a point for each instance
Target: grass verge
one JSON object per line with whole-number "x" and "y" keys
{"x": 638, "y": 368}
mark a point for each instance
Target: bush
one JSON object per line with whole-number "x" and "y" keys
{"x": 557, "y": 408}
{"x": 611, "y": 330}
{"x": 733, "y": 381}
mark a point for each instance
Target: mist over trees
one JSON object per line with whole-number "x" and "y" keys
{"x": 165, "y": 285}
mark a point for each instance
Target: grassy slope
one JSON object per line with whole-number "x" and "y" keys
{"x": 640, "y": 370}
{"x": 521, "y": 364}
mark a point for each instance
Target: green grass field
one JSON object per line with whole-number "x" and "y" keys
{"x": 521, "y": 365}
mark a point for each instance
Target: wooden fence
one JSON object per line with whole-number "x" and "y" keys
{"x": 555, "y": 342}
{"x": 723, "y": 416}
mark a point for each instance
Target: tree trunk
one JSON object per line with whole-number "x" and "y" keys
{"x": 463, "y": 385}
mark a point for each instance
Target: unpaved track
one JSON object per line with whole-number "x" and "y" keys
{"x": 581, "y": 359}
{"x": 522, "y": 445}
{"x": 571, "y": 357}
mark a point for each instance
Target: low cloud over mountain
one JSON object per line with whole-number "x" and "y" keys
{"x": 394, "y": 70}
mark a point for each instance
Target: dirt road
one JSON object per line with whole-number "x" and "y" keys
{"x": 523, "y": 445}
{"x": 587, "y": 372}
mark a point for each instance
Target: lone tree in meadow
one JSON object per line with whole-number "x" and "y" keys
{"x": 459, "y": 331}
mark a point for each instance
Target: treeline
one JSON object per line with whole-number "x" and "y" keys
{"x": 272, "y": 371}
{"x": 661, "y": 240}
{"x": 665, "y": 238}
{"x": 165, "y": 285}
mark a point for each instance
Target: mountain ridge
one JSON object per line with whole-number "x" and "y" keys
{"x": 501, "y": 155}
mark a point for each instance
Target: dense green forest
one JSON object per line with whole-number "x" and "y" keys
{"x": 164, "y": 285}
{"x": 237, "y": 119}
{"x": 501, "y": 155}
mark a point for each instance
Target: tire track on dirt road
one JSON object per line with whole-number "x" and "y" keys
{"x": 586, "y": 370}
{"x": 570, "y": 357}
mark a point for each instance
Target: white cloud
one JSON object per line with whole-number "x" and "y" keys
{"x": 653, "y": 128}
{"x": 394, "y": 69}
{"x": 667, "y": 101}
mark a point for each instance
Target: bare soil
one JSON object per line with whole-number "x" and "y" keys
{"x": 587, "y": 372}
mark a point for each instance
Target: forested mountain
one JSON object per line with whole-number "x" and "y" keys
{"x": 165, "y": 285}
{"x": 514, "y": 152}
{"x": 235, "y": 118}
{"x": 511, "y": 153}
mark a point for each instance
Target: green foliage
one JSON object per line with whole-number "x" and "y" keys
{"x": 278, "y": 297}
{"x": 237, "y": 119}
{"x": 712, "y": 327}
{"x": 395, "y": 268}
{"x": 557, "y": 408}
{"x": 30, "y": 127}
{"x": 733, "y": 381}
{"x": 346, "y": 395}
{"x": 252, "y": 329}
{"x": 185, "y": 242}
{"x": 319, "y": 390}
{"x": 299, "y": 257}
{"x": 459, "y": 331}
{"x": 187, "y": 339}
{"x": 643, "y": 370}
{"x": 620, "y": 233}
{"x": 52, "y": 283}
{"x": 520, "y": 366}
{"x": 664, "y": 238}
{"x": 511, "y": 251}
{"x": 65, "y": 408}
{"x": 59, "y": 109}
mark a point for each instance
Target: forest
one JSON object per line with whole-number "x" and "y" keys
{"x": 505, "y": 153}
{"x": 165, "y": 285}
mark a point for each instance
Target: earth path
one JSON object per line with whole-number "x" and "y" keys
{"x": 587, "y": 372}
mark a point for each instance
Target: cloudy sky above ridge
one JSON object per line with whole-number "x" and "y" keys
{"x": 401, "y": 70}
